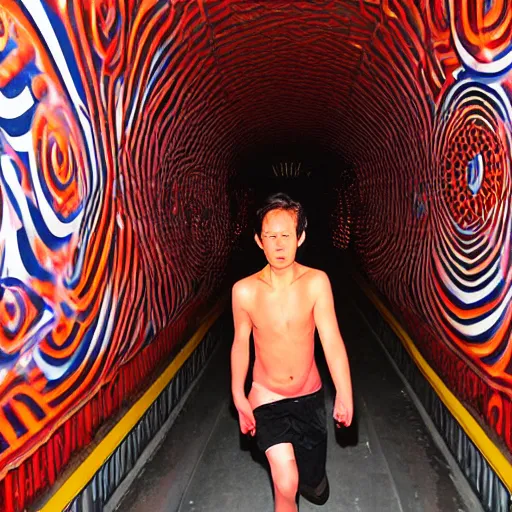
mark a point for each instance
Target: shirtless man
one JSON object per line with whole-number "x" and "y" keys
{"x": 282, "y": 305}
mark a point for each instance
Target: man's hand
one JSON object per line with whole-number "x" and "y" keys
{"x": 343, "y": 412}
{"x": 246, "y": 417}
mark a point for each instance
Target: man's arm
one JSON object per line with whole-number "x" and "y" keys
{"x": 334, "y": 349}
{"x": 240, "y": 358}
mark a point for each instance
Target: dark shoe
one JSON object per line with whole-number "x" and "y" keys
{"x": 318, "y": 495}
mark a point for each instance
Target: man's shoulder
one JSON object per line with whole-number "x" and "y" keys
{"x": 316, "y": 282}
{"x": 245, "y": 286}
{"x": 314, "y": 275}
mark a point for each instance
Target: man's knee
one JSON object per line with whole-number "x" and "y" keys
{"x": 284, "y": 470}
{"x": 286, "y": 482}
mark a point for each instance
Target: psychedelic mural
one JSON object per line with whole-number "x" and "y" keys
{"x": 120, "y": 126}
{"x": 78, "y": 250}
{"x": 440, "y": 247}
{"x": 471, "y": 272}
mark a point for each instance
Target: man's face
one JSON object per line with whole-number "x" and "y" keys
{"x": 279, "y": 238}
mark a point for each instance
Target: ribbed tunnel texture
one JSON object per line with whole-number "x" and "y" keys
{"x": 122, "y": 123}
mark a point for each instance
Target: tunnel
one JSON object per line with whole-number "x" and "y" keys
{"x": 137, "y": 139}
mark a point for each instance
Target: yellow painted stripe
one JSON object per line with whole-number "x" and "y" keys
{"x": 86, "y": 471}
{"x": 496, "y": 459}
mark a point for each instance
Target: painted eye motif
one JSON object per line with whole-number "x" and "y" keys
{"x": 473, "y": 155}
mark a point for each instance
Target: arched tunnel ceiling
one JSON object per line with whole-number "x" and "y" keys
{"x": 280, "y": 70}
{"x": 288, "y": 70}
{"x": 346, "y": 75}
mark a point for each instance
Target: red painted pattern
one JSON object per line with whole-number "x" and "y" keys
{"x": 120, "y": 130}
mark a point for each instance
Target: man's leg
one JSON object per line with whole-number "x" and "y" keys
{"x": 311, "y": 449}
{"x": 313, "y": 482}
{"x": 285, "y": 476}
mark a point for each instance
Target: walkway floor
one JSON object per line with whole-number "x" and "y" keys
{"x": 388, "y": 461}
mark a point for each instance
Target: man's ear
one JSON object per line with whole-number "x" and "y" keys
{"x": 302, "y": 238}
{"x": 258, "y": 241}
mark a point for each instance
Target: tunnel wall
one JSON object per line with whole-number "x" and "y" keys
{"x": 115, "y": 220}
{"x": 120, "y": 124}
{"x": 432, "y": 226}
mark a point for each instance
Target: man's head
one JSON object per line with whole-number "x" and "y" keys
{"x": 283, "y": 202}
{"x": 280, "y": 229}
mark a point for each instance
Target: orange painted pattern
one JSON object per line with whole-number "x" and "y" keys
{"x": 121, "y": 127}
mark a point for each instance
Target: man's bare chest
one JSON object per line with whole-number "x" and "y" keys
{"x": 282, "y": 311}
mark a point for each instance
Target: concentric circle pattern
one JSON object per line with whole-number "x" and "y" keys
{"x": 122, "y": 123}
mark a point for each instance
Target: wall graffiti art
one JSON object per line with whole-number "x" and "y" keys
{"x": 80, "y": 249}
{"x": 120, "y": 126}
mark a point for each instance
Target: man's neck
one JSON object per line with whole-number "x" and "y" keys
{"x": 281, "y": 278}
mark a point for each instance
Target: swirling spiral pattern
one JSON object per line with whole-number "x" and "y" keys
{"x": 121, "y": 126}
{"x": 471, "y": 262}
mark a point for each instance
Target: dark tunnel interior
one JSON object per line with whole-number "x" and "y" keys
{"x": 308, "y": 173}
{"x": 137, "y": 138}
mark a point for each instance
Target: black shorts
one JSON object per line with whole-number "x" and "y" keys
{"x": 300, "y": 421}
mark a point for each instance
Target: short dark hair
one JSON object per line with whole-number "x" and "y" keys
{"x": 281, "y": 201}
